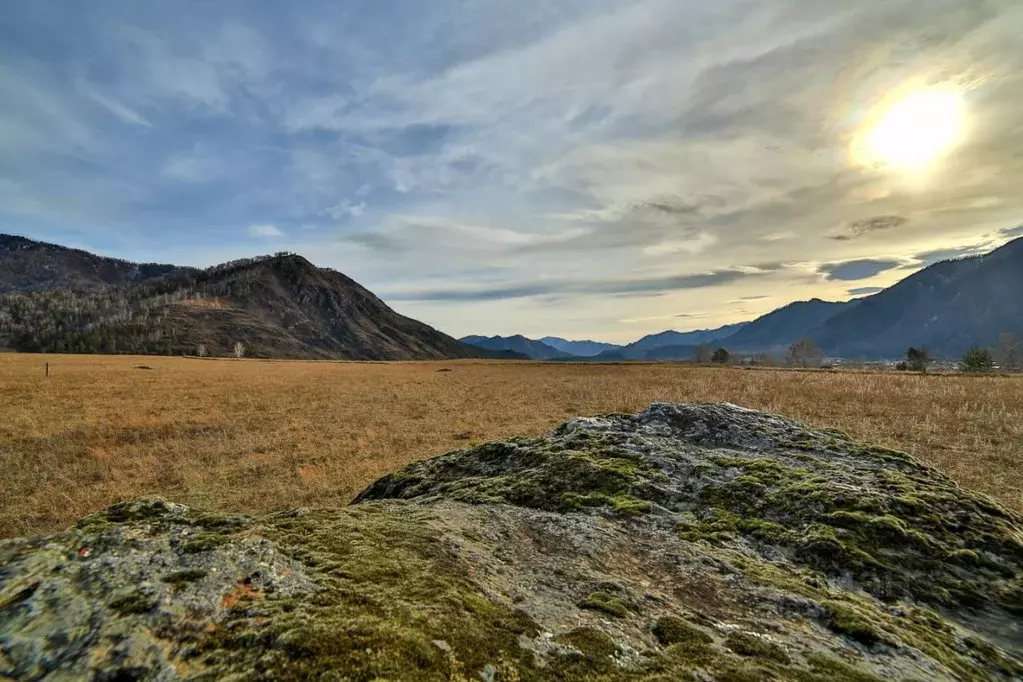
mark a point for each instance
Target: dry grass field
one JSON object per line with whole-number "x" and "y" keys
{"x": 252, "y": 436}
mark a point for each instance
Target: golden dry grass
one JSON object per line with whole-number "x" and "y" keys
{"x": 252, "y": 436}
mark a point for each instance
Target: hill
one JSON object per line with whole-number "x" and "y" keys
{"x": 670, "y": 345}
{"x": 777, "y": 330}
{"x": 27, "y": 265}
{"x": 582, "y": 349}
{"x": 685, "y": 542}
{"x": 947, "y": 308}
{"x": 531, "y": 348}
{"x": 275, "y": 306}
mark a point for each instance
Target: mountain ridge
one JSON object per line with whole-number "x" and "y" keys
{"x": 585, "y": 348}
{"x": 647, "y": 347}
{"x": 27, "y": 265}
{"x": 536, "y": 350}
{"x": 62, "y": 299}
{"x": 274, "y": 306}
{"x": 947, "y": 307}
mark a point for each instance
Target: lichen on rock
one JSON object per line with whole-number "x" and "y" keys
{"x": 703, "y": 542}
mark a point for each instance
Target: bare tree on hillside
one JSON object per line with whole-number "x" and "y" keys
{"x": 804, "y": 353}
{"x": 200, "y": 350}
{"x": 239, "y": 349}
{"x": 701, "y": 354}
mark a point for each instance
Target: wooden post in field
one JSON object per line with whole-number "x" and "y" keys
{"x": 47, "y": 369}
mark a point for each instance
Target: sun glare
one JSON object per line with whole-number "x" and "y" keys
{"x": 912, "y": 131}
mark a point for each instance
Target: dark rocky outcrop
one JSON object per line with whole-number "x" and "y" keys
{"x": 699, "y": 542}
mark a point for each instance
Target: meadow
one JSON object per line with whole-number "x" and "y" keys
{"x": 250, "y": 435}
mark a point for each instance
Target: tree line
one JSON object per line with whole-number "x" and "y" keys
{"x": 1005, "y": 355}
{"x": 802, "y": 353}
{"x": 135, "y": 318}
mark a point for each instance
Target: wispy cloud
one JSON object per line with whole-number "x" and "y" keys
{"x": 648, "y": 285}
{"x": 848, "y": 271}
{"x": 265, "y": 231}
{"x": 864, "y": 226}
{"x": 117, "y": 109}
{"x": 501, "y": 165}
{"x": 1013, "y": 232}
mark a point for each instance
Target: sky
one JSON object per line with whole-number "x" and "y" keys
{"x": 583, "y": 168}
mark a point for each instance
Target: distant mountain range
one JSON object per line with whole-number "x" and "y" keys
{"x": 583, "y": 349}
{"x": 63, "y": 300}
{"x": 947, "y": 308}
{"x": 670, "y": 345}
{"x": 57, "y": 299}
{"x": 537, "y": 350}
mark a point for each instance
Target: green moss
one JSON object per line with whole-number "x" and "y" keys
{"x": 134, "y": 603}
{"x": 184, "y": 577}
{"x": 747, "y": 644}
{"x": 606, "y": 602}
{"x": 386, "y": 589}
{"x": 590, "y": 642}
{"x": 690, "y": 654}
{"x": 594, "y": 658}
{"x": 836, "y": 671}
{"x": 845, "y": 620}
{"x": 728, "y": 462}
{"x": 882, "y": 538}
{"x": 628, "y": 505}
{"x": 563, "y": 476}
{"x": 847, "y": 519}
{"x": 670, "y": 630}
{"x": 807, "y": 445}
{"x": 575, "y": 501}
{"x": 623, "y": 503}
{"x": 966, "y": 557}
{"x": 719, "y": 524}
{"x": 203, "y": 543}
{"x": 735, "y": 672}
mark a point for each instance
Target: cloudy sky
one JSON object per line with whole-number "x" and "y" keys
{"x": 586, "y": 168}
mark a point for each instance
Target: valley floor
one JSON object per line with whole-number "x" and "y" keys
{"x": 255, "y": 435}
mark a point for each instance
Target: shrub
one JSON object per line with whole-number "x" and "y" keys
{"x": 977, "y": 360}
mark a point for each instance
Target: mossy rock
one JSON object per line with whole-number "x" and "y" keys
{"x": 687, "y": 542}
{"x": 753, "y": 646}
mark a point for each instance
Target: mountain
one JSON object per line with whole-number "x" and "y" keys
{"x": 680, "y": 345}
{"x": 777, "y": 330}
{"x": 946, "y": 308}
{"x": 27, "y": 265}
{"x": 275, "y": 306}
{"x": 583, "y": 349}
{"x": 536, "y": 350}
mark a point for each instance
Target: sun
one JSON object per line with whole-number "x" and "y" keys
{"x": 911, "y": 131}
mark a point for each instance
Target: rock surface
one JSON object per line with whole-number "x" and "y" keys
{"x": 699, "y": 542}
